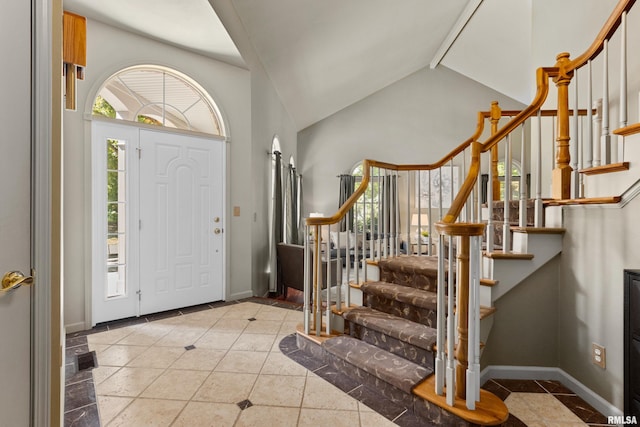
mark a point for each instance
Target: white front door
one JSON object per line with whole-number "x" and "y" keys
{"x": 158, "y": 220}
{"x": 15, "y": 214}
{"x": 182, "y": 218}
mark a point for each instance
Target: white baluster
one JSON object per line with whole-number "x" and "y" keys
{"x": 451, "y": 330}
{"x": 538, "y": 213}
{"x": 329, "y": 262}
{"x": 440, "y": 321}
{"x": 506, "y": 230}
{"x": 588, "y": 148}
{"x": 597, "y": 146}
{"x": 523, "y": 179}
{"x": 606, "y": 136}
{"x": 490, "y": 224}
{"x": 307, "y": 287}
{"x": 408, "y": 246}
{"x": 573, "y": 143}
{"x": 430, "y": 213}
{"x": 623, "y": 70}
{"x": 473, "y": 369}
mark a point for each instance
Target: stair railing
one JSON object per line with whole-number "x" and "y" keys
{"x": 459, "y": 372}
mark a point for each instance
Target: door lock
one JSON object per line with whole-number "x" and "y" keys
{"x": 216, "y": 219}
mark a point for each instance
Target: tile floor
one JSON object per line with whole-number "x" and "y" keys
{"x": 236, "y": 364}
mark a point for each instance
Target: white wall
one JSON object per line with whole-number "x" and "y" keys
{"x": 418, "y": 119}
{"x": 110, "y": 50}
{"x": 599, "y": 244}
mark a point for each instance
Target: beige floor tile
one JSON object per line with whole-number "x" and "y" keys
{"x": 157, "y": 357}
{"x": 98, "y": 348}
{"x": 248, "y": 362}
{"x": 276, "y": 345}
{"x": 148, "y": 412}
{"x": 275, "y": 390}
{"x": 253, "y": 342}
{"x": 217, "y": 340}
{"x": 176, "y": 384}
{"x": 112, "y": 336}
{"x": 231, "y": 325}
{"x": 101, "y": 373}
{"x": 370, "y": 418}
{"x": 322, "y": 417}
{"x": 288, "y": 327}
{"x": 320, "y": 394}
{"x": 182, "y": 336}
{"x": 279, "y": 364}
{"x": 128, "y": 382}
{"x": 225, "y": 387}
{"x": 147, "y": 334}
{"x": 263, "y": 416}
{"x": 205, "y": 414}
{"x": 119, "y": 355}
{"x": 542, "y": 408}
{"x": 243, "y": 310}
{"x": 294, "y": 316}
{"x": 110, "y": 406}
{"x": 205, "y": 316}
{"x": 263, "y": 327}
{"x": 271, "y": 313}
{"x": 201, "y": 359}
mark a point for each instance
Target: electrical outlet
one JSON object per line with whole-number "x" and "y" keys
{"x": 598, "y": 355}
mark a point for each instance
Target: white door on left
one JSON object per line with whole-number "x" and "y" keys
{"x": 15, "y": 212}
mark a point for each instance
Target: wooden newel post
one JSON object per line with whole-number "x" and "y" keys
{"x": 496, "y": 114}
{"x": 561, "y": 177}
{"x": 462, "y": 313}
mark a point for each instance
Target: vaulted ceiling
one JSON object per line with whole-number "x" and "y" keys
{"x": 323, "y": 56}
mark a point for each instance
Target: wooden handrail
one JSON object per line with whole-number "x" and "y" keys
{"x": 367, "y": 164}
{"x": 607, "y": 31}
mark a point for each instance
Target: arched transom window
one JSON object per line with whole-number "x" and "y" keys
{"x": 158, "y": 96}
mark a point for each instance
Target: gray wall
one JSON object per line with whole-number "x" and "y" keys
{"x": 418, "y": 119}
{"x": 599, "y": 244}
{"x": 244, "y": 100}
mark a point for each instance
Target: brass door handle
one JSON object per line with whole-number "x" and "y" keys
{"x": 14, "y": 279}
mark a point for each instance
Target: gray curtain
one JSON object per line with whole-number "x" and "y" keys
{"x": 347, "y": 188}
{"x": 292, "y": 206}
{"x": 277, "y": 234}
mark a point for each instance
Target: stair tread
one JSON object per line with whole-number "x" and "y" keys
{"x": 415, "y": 264}
{"x": 508, "y": 255}
{"x": 405, "y": 294}
{"x": 395, "y": 370}
{"x": 416, "y": 334}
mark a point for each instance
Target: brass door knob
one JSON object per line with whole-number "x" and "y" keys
{"x": 14, "y": 279}
{"x": 217, "y": 231}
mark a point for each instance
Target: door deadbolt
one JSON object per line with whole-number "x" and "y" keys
{"x": 216, "y": 219}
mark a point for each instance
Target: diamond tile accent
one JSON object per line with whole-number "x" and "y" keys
{"x": 244, "y": 404}
{"x": 190, "y": 347}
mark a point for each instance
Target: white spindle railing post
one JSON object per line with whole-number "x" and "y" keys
{"x": 574, "y": 142}
{"x": 597, "y": 146}
{"x": 451, "y": 177}
{"x": 473, "y": 370}
{"x": 430, "y": 213}
{"x": 623, "y": 70}
{"x": 490, "y": 225}
{"x": 523, "y": 179}
{"x": 588, "y": 148}
{"x": 606, "y": 136}
{"x": 451, "y": 335}
{"x": 506, "y": 230}
{"x": 307, "y": 285}
{"x": 440, "y": 321}
{"x": 327, "y": 253}
{"x": 419, "y": 213}
{"x": 317, "y": 282}
{"x": 538, "y": 208}
{"x": 408, "y": 248}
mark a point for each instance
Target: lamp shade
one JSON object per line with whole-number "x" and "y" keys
{"x": 420, "y": 220}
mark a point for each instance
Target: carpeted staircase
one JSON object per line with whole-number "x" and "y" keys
{"x": 389, "y": 341}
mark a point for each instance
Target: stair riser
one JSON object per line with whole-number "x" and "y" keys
{"x": 418, "y": 281}
{"x": 401, "y": 309}
{"x": 387, "y": 390}
{"x": 437, "y": 415}
{"x": 393, "y": 345}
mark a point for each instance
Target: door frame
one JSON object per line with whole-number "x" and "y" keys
{"x": 47, "y": 331}
{"x": 90, "y": 206}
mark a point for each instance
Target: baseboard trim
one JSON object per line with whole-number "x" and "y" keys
{"x": 549, "y": 373}
{"x": 75, "y": 327}
{"x": 240, "y": 295}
